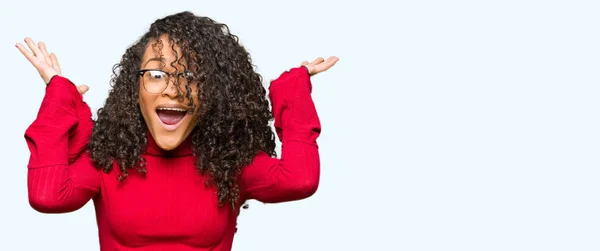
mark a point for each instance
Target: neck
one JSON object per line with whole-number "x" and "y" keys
{"x": 183, "y": 149}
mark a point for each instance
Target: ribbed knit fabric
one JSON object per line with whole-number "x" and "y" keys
{"x": 169, "y": 208}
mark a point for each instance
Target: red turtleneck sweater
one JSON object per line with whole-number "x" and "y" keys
{"x": 169, "y": 208}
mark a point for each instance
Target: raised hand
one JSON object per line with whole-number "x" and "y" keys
{"x": 46, "y": 64}
{"x": 319, "y": 65}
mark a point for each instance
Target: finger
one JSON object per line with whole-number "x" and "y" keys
{"x": 44, "y": 51}
{"x": 55, "y": 63}
{"x": 330, "y": 62}
{"x": 304, "y": 63}
{"x": 317, "y": 61}
{"x": 36, "y": 51}
{"x": 82, "y": 89}
{"x": 28, "y": 54}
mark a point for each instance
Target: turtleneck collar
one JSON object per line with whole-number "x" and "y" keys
{"x": 184, "y": 149}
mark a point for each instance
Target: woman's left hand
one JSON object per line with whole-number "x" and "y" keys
{"x": 319, "y": 65}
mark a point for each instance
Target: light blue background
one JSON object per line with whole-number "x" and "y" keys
{"x": 447, "y": 125}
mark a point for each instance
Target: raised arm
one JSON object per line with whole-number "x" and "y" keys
{"x": 61, "y": 177}
{"x": 295, "y": 175}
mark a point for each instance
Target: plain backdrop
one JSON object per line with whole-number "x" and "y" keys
{"x": 447, "y": 125}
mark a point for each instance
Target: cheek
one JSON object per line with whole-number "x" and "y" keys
{"x": 144, "y": 102}
{"x": 194, "y": 97}
{"x": 196, "y": 114}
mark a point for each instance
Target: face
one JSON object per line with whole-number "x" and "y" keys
{"x": 163, "y": 110}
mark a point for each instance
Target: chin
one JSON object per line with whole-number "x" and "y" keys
{"x": 169, "y": 142}
{"x": 168, "y": 138}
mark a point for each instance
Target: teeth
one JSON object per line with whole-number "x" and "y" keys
{"x": 171, "y": 109}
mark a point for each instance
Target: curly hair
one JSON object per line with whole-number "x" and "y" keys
{"x": 234, "y": 112}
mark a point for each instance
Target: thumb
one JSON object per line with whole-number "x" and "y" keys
{"x": 82, "y": 89}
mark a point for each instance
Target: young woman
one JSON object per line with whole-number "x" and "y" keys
{"x": 181, "y": 142}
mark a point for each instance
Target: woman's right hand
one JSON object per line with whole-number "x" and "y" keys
{"x": 46, "y": 64}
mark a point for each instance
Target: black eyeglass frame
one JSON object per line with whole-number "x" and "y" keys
{"x": 167, "y": 74}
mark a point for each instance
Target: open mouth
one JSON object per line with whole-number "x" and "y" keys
{"x": 170, "y": 116}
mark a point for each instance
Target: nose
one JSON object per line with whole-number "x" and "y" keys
{"x": 174, "y": 90}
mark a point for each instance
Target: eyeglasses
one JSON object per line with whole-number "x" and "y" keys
{"x": 156, "y": 81}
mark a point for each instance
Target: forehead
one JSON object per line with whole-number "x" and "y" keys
{"x": 162, "y": 52}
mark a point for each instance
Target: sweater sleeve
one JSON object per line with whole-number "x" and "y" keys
{"x": 61, "y": 177}
{"x": 295, "y": 175}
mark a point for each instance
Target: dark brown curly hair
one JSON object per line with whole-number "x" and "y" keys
{"x": 234, "y": 112}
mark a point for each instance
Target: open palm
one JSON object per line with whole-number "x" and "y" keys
{"x": 319, "y": 65}
{"x": 46, "y": 64}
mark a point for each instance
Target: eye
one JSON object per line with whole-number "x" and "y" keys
{"x": 186, "y": 74}
{"x": 157, "y": 75}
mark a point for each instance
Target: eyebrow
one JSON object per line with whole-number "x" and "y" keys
{"x": 154, "y": 59}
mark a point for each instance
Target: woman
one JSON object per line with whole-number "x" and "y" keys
{"x": 181, "y": 142}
